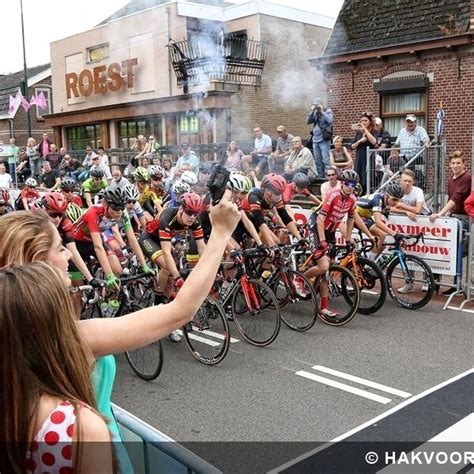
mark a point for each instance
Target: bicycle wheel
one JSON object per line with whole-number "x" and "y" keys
{"x": 209, "y": 339}
{"x": 372, "y": 285}
{"x": 411, "y": 286}
{"x": 147, "y": 361}
{"x": 343, "y": 295}
{"x": 256, "y": 312}
{"x": 89, "y": 311}
{"x": 297, "y": 300}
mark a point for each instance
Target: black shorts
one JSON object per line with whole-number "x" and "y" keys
{"x": 313, "y": 234}
{"x": 86, "y": 251}
{"x": 150, "y": 245}
{"x": 239, "y": 233}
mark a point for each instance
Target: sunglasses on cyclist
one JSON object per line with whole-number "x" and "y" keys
{"x": 329, "y": 175}
{"x": 350, "y": 184}
{"x": 190, "y": 213}
{"x": 131, "y": 201}
{"x": 116, "y": 207}
{"x": 53, "y": 215}
{"x": 156, "y": 178}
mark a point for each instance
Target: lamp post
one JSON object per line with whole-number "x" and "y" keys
{"x": 25, "y": 72}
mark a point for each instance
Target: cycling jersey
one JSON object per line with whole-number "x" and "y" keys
{"x": 65, "y": 228}
{"x": 90, "y": 186}
{"x": 367, "y": 205}
{"x": 146, "y": 194}
{"x": 135, "y": 211}
{"x": 75, "y": 199}
{"x": 256, "y": 207}
{"x": 168, "y": 226}
{"x": 335, "y": 208}
{"x": 95, "y": 219}
{"x": 290, "y": 192}
{"x": 30, "y": 195}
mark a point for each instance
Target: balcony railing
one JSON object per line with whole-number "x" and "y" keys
{"x": 236, "y": 60}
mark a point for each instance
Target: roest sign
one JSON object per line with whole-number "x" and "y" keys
{"x": 101, "y": 79}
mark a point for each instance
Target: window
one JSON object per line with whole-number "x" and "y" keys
{"x": 236, "y": 45}
{"x": 395, "y": 107}
{"x": 189, "y": 124}
{"x": 47, "y": 95}
{"x": 97, "y": 53}
{"x": 83, "y": 135}
{"x": 128, "y": 130}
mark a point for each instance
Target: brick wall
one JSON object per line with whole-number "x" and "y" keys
{"x": 20, "y": 132}
{"x": 350, "y": 92}
{"x": 289, "y": 83}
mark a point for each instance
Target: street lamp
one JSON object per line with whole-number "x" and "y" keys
{"x": 25, "y": 72}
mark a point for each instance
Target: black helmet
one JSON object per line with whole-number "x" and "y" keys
{"x": 115, "y": 196}
{"x": 69, "y": 184}
{"x": 349, "y": 175}
{"x": 97, "y": 173}
{"x": 301, "y": 180}
{"x": 393, "y": 189}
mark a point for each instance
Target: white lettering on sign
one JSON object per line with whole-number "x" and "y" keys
{"x": 440, "y": 246}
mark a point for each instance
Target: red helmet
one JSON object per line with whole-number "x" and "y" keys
{"x": 191, "y": 202}
{"x": 55, "y": 202}
{"x": 274, "y": 182}
{"x": 4, "y": 196}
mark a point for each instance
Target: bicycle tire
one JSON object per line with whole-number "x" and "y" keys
{"x": 420, "y": 273}
{"x": 250, "y": 322}
{"x": 146, "y": 361}
{"x": 344, "y": 295}
{"x": 297, "y": 300}
{"x": 372, "y": 285}
{"x": 209, "y": 345}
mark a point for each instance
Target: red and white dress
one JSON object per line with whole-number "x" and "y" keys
{"x": 51, "y": 451}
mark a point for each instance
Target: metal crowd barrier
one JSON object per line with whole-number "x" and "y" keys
{"x": 427, "y": 163}
{"x": 469, "y": 283}
{"x": 151, "y": 451}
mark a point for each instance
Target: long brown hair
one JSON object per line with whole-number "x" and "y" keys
{"x": 41, "y": 353}
{"x": 25, "y": 236}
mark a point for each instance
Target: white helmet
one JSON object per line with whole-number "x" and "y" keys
{"x": 31, "y": 182}
{"x": 131, "y": 192}
{"x": 237, "y": 182}
{"x": 189, "y": 177}
{"x": 180, "y": 187}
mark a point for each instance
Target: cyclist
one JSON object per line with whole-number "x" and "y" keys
{"x": 134, "y": 210}
{"x": 300, "y": 185}
{"x": 5, "y": 206}
{"x": 68, "y": 186}
{"x": 173, "y": 198}
{"x": 93, "y": 185}
{"x": 27, "y": 195}
{"x": 87, "y": 234}
{"x": 156, "y": 239}
{"x": 323, "y": 224}
{"x": 151, "y": 196}
{"x": 260, "y": 202}
{"x": 373, "y": 207}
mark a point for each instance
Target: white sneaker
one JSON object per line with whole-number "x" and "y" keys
{"x": 328, "y": 313}
{"x": 175, "y": 336}
{"x": 407, "y": 288}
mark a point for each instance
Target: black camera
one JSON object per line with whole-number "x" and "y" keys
{"x": 217, "y": 183}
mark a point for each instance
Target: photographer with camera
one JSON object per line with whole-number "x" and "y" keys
{"x": 322, "y": 118}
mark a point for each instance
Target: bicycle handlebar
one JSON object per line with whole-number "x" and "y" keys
{"x": 134, "y": 277}
{"x": 77, "y": 289}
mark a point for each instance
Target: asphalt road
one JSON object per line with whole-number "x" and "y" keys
{"x": 276, "y": 393}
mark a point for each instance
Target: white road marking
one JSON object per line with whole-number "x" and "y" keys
{"x": 219, "y": 336}
{"x": 205, "y": 340}
{"x": 371, "y": 422}
{"x": 368, "y": 383}
{"x": 464, "y": 310}
{"x": 343, "y": 386}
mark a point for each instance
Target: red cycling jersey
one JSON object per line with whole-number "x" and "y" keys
{"x": 335, "y": 208}
{"x": 93, "y": 220}
{"x": 290, "y": 192}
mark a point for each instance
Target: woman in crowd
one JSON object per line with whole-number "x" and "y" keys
{"x": 27, "y": 237}
{"x": 364, "y": 138}
{"x": 167, "y": 165}
{"x": 49, "y": 417}
{"x": 234, "y": 156}
{"x": 339, "y": 156}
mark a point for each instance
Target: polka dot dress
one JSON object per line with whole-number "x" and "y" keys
{"x": 51, "y": 451}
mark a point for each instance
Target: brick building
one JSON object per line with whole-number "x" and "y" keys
{"x": 403, "y": 57}
{"x": 160, "y": 90}
{"x": 15, "y": 125}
